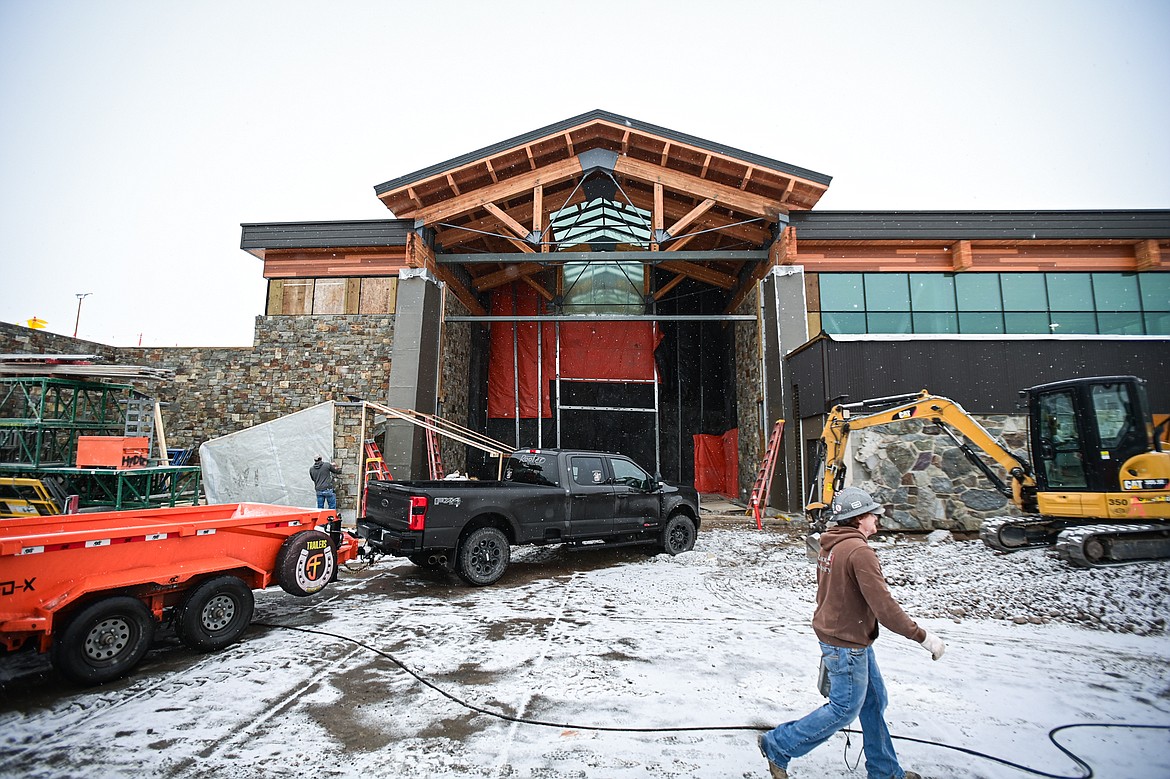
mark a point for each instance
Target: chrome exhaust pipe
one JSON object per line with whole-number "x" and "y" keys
{"x": 437, "y": 559}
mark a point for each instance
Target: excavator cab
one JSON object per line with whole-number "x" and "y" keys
{"x": 1084, "y": 430}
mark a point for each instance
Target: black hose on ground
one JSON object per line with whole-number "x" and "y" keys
{"x": 1088, "y": 770}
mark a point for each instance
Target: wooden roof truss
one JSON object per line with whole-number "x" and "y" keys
{"x": 602, "y": 185}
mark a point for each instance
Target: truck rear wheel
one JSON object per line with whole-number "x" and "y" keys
{"x": 215, "y": 613}
{"x": 679, "y": 535}
{"x": 305, "y": 563}
{"x": 483, "y": 556}
{"x": 103, "y": 641}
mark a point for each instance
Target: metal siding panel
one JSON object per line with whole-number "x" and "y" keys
{"x": 983, "y": 376}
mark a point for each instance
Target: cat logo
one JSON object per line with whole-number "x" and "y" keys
{"x": 905, "y": 413}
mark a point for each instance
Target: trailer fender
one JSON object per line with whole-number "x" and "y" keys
{"x": 305, "y": 563}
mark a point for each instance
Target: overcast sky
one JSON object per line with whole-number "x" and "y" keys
{"x": 136, "y": 136}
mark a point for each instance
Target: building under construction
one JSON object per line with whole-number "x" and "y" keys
{"x": 609, "y": 284}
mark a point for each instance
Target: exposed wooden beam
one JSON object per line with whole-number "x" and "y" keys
{"x": 698, "y": 272}
{"x": 747, "y": 177}
{"x": 410, "y": 193}
{"x": 625, "y": 143}
{"x": 549, "y": 174}
{"x": 491, "y": 171}
{"x": 538, "y": 215}
{"x": 730, "y": 256}
{"x": 462, "y": 293}
{"x": 668, "y": 286}
{"x": 569, "y": 143}
{"x": 659, "y": 213}
{"x": 502, "y": 215}
{"x": 1147, "y": 255}
{"x": 540, "y": 290}
{"x": 961, "y": 258}
{"x": 452, "y": 184}
{"x": 706, "y": 164}
{"x": 690, "y": 216}
{"x": 506, "y": 276}
{"x": 781, "y": 252}
{"x": 665, "y": 154}
{"x": 722, "y": 194}
{"x": 531, "y": 159}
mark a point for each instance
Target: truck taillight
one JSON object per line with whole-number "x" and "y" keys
{"x": 418, "y": 512}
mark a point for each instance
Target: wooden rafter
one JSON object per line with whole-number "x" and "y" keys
{"x": 747, "y": 177}
{"x": 491, "y": 171}
{"x": 756, "y": 205}
{"x": 668, "y": 286}
{"x": 550, "y": 174}
{"x": 540, "y": 290}
{"x": 507, "y": 275}
{"x": 700, "y": 273}
{"x": 454, "y": 186}
{"x": 690, "y": 216}
{"x": 1147, "y": 255}
{"x": 706, "y": 164}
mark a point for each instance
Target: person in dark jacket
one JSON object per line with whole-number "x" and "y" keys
{"x": 321, "y": 472}
{"x": 852, "y": 600}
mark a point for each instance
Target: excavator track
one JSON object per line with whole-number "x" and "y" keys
{"x": 1101, "y": 545}
{"x": 1011, "y": 534}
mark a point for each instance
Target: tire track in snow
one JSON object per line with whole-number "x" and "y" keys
{"x": 502, "y": 759}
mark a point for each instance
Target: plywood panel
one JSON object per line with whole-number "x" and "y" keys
{"x": 378, "y": 296}
{"x": 329, "y": 296}
{"x": 275, "y": 298}
{"x": 298, "y": 296}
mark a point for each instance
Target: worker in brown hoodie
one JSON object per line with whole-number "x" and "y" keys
{"x": 852, "y": 600}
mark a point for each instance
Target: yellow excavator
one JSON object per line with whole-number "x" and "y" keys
{"x": 1096, "y": 485}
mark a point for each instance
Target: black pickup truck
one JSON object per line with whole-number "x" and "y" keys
{"x": 547, "y": 496}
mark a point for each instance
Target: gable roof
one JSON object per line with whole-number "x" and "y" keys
{"x": 497, "y": 198}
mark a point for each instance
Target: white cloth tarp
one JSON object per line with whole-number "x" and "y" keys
{"x": 269, "y": 463}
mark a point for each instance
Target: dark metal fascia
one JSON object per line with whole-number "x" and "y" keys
{"x": 644, "y": 257}
{"x": 323, "y": 235}
{"x": 976, "y": 225}
{"x": 568, "y": 124}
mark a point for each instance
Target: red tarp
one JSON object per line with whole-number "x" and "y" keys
{"x": 589, "y": 350}
{"x": 717, "y": 463}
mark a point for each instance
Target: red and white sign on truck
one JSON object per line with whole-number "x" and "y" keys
{"x": 91, "y": 588}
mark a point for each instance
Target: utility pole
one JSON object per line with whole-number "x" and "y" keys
{"x": 80, "y": 297}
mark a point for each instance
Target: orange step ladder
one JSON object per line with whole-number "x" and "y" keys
{"x": 763, "y": 486}
{"x": 375, "y": 469}
{"x": 434, "y": 456}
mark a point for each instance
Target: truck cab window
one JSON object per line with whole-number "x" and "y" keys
{"x": 625, "y": 472}
{"x": 532, "y": 468}
{"x": 587, "y": 471}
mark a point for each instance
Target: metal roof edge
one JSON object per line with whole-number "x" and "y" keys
{"x": 566, "y": 124}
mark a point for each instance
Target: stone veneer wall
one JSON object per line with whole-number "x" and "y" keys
{"x": 747, "y": 395}
{"x": 296, "y": 362}
{"x": 453, "y": 396}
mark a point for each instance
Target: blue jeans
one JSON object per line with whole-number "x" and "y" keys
{"x": 856, "y": 687}
{"x": 327, "y": 496}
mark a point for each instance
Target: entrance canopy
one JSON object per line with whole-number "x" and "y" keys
{"x": 597, "y": 183}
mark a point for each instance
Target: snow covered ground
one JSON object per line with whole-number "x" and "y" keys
{"x": 618, "y": 638}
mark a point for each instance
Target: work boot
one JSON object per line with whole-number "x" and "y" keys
{"x": 779, "y": 773}
{"x": 913, "y": 775}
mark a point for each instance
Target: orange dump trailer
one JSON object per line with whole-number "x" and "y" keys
{"x": 90, "y": 589}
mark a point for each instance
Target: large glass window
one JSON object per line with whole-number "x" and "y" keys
{"x": 932, "y": 291}
{"x": 978, "y": 292}
{"x": 603, "y": 288}
{"x": 992, "y": 303}
{"x": 1023, "y": 292}
{"x": 887, "y": 292}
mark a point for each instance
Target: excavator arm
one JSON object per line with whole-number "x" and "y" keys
{"x": 969, "y": 436}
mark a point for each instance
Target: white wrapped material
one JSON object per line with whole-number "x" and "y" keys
{"x": 269, "y": 463}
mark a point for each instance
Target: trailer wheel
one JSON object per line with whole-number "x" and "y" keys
{"x": 305, "y": 563}
{"x": 483, "y": 556}
{"x": 103, "y": 641}
{"x": 215, "y": 613}
{"x": 679, "y": 535}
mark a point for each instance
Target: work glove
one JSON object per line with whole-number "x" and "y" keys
{"x": 934, "y": 645}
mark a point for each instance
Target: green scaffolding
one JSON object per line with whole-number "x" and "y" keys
{"x": 41, "y": 419}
